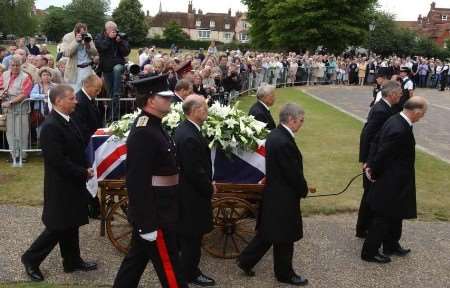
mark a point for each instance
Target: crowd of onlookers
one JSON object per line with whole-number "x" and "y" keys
{"x": 210, "y": 71}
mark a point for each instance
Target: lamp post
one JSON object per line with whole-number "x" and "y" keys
{"x": 371, "y": 29}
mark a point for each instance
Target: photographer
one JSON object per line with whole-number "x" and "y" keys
{"x": 80, "y": 49}
{"x": 113, "y": 48}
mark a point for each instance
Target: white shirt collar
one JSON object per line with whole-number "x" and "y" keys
{"x": 181, "y": 98}
{"x": 85, "y": 93}
{"x": 289, "y": 130}
{"x": 195, "y": 124}
{"x": 264, "y": 104}
{"x": 66, "y": 117}
{"x": 387, "y": 102}
{"x": 406, "y": 118}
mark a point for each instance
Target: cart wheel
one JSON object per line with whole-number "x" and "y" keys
{"x": 117, "y": 226}
{"x": 234, "y": 227}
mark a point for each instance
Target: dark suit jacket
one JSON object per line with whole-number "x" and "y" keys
{"x": 65, "y": 200}
{"x": 196, "y": 190}
{"x": 87, "y": 116}
{"x": 378, "y": 115}
{"x": 281, "y": 219}
{"x": 394, "y": 192}
{"x": 262, "y": 114}
{"x": 111, "y": 53}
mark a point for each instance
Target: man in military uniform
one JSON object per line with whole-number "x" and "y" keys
{"x": 151, "y": 180}
{"x": 407, "y": 88}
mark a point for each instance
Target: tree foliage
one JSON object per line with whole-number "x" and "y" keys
{"x": 91, "y": 12}
{"x": 130, "y": 18}
{"x": 307, "y": 24}
{"x": 16, "y": 17}
{"x": 174, "y": 33}
{"x": 55, "y": 24}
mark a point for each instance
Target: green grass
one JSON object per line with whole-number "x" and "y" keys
{"x": 329, "y": 141}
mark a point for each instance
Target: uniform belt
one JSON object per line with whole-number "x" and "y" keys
{"x": 162, "y": 181}
{"x": 84, "y": 65}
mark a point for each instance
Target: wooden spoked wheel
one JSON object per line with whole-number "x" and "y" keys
{"x": 117, "y": 227}
{"x": 234, "y": 227}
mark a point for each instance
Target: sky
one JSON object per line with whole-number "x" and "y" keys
{"x": 403, "y": 9}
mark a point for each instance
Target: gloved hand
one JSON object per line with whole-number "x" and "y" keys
{"x": 149, "y": 236}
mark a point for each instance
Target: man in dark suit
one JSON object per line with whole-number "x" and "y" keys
{"x": 392, "y": 196}
{"x": 280, "y": 216}
{"x": 196, "y": 188}
{"x": 88, "y": 118}
{"x": 86, "y": 113}
{"x": 260, "y": 110}
{"x": 65, "y": 203}
{"x": 379, "y": 113}
{"x": 182, "y": 90}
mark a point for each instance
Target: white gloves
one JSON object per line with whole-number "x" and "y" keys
{"x": 149, "y": 236}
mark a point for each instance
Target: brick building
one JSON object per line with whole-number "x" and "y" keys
{"x": 435, "y": 25}
{"x": 222, "y": 27}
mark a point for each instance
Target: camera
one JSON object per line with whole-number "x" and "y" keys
{"x": 122, "y": 35}
{"x": 85, "y": 37}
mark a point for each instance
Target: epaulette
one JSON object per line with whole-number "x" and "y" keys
{"x": 142, "y": 121}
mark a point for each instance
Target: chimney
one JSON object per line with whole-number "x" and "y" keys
{"x": 433, "y": 5}
{"x": 200, "y": 11}
{"x": 194, "y": 11}
{"x": 190, "y": 7}
{"x": 148, "y": 13}
{"x": 229, "y": 12}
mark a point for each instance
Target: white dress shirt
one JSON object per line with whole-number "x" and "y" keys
{"x": 66, "y": 117}
{"x": 406, "y": 118}
{"x": 264, "y": 104}
{"x": 85, "y": 93}
{"x": 289, "y": 130}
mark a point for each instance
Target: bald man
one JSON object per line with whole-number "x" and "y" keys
{"x": 392, "y": 198}
{"x": 196, "y": 189}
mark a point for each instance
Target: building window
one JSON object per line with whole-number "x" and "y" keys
{"x": 212, "y": 24}
{"x": 227, "y": 36}
{"x": 243, "y": 37}
{"x": 198, "y": 23}
{"x": 204, "y": 34}
{"x": 227, "y": 26}
{"x": 245, "y": 25}
{"x": 444, "y": 17}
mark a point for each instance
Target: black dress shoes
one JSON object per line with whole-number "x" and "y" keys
{"x": 247, "y": 271}
{"x": 32, "y": 271}
{"x": 295, "y": 280}
{"x": 203, "y": 280}
{"x": 81, "y": 266}
{"x": 397, "y": 252}
{"x": 378, "y": 258}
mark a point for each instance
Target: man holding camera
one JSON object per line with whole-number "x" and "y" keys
{"x": 80, "y": 49}
{"x": 113, "y": 48}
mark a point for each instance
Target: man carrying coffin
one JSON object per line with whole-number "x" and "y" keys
{"x": 260, "y": 110}
{"x": 281, "y": 220}
{"x": 152, "y": 183}
{"x": 196, "y": 188}
{"x": 392, "y": 196}
{"x": 378, "y": 115}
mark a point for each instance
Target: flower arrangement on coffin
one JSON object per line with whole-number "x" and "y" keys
{"x": 226, "y": 128}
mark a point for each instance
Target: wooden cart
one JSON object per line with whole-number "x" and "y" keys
{"x": 235, "y": 209}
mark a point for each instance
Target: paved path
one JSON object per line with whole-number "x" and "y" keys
{"x": 432, "y": 132}
{"x": 328, "y": 256}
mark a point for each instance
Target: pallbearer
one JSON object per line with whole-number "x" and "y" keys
{"x": 152, "y": 181}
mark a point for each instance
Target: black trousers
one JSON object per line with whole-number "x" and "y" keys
{"x": 364, "y": 212}
{"x": 282, "y": 256}
{"x": 444, "y": 79}
{"x": 163, "y": 254}
{"x": 190, "y": 253}
{"x": 69, "y": 246}
{"x": 383, "y": 230}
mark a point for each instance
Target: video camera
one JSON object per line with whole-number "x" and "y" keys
{"x": 122, "y": 35}
{"x": 131, "y": 73}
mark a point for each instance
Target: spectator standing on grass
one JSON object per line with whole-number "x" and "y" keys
{"x": 32, "y": 47}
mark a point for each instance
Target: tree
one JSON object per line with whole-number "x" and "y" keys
{"x": 55, "y": 24}
{"x": 307, "y": 24}
{"x": 17, "y": 17}
{"x": 91, "y": 12}
{"x": 130, "y": 18}
{"x": 174, "y": 33}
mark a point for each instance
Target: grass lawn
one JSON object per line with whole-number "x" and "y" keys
{"x": 329, "y": 141}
